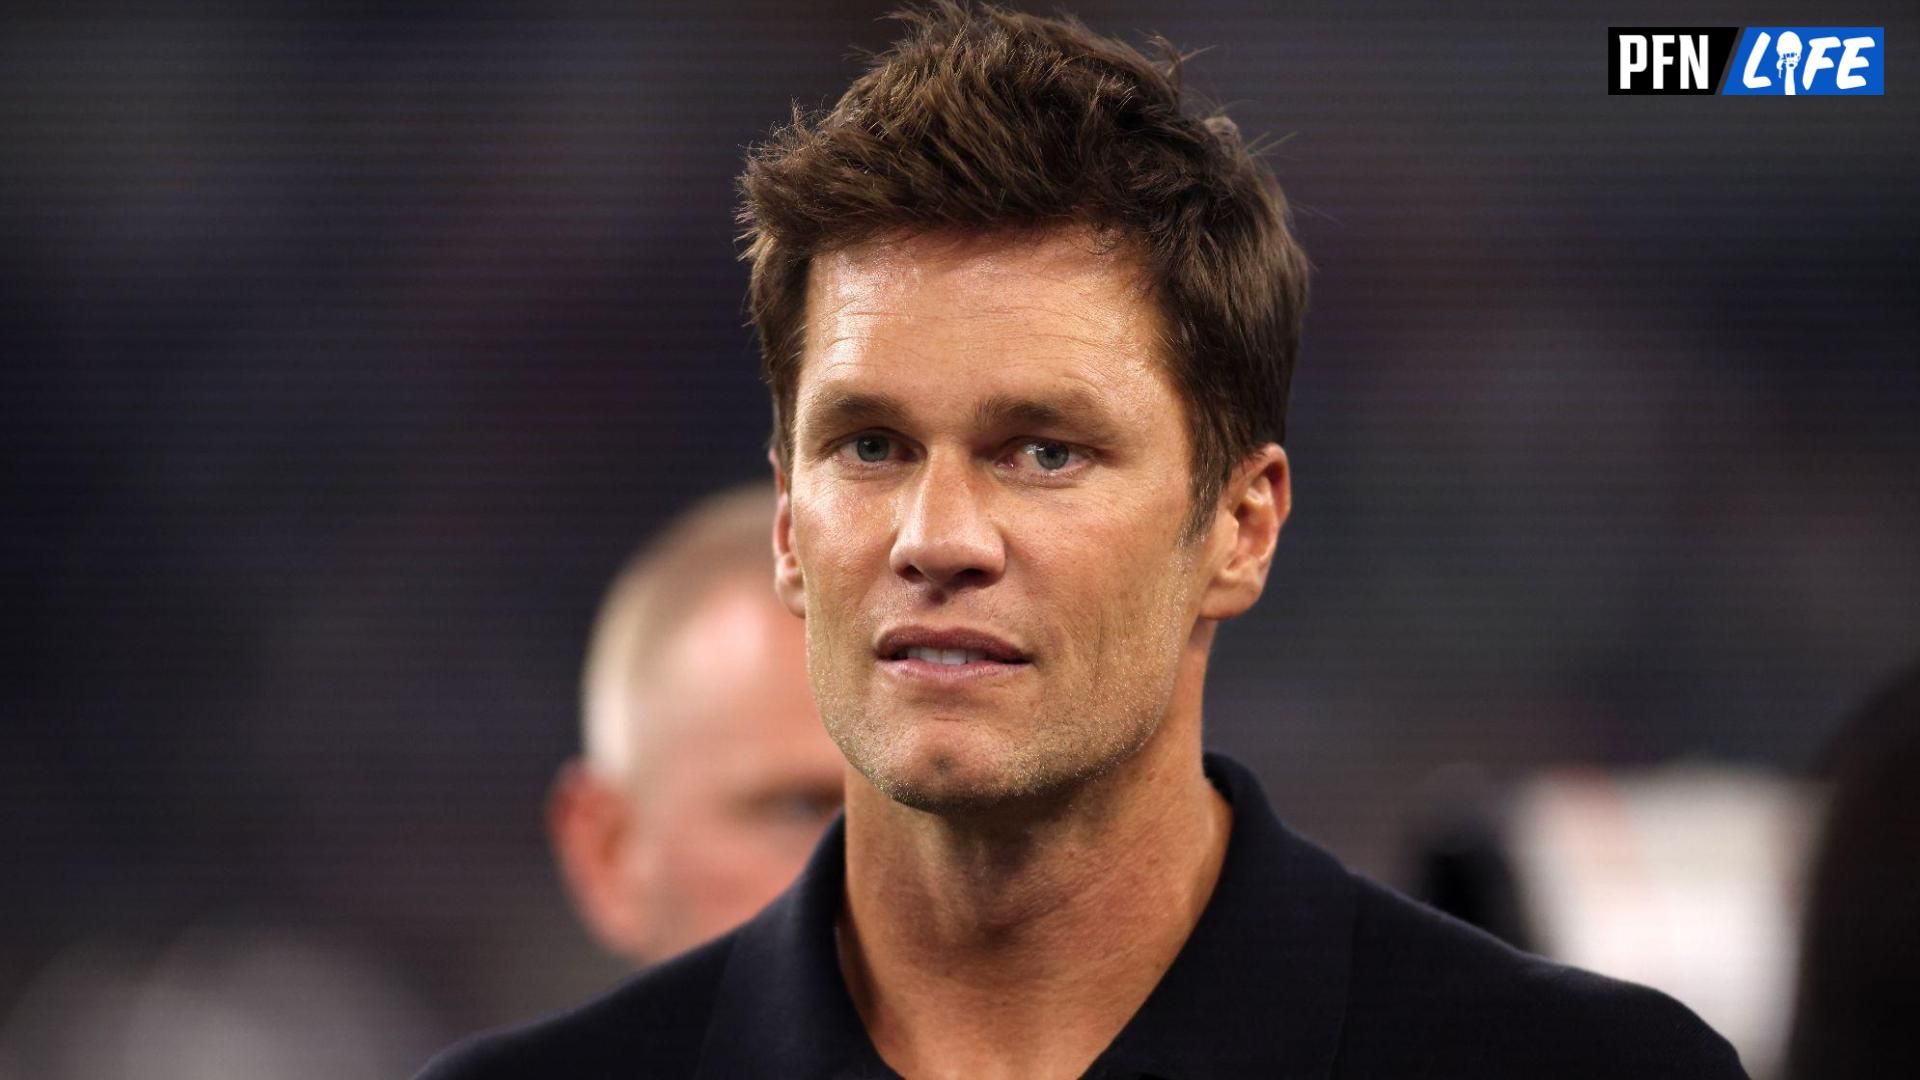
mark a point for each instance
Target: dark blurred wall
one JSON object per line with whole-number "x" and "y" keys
{"x": 344, "y": 356}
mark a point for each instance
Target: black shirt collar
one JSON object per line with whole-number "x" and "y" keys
{"x": 1259, "y": 988}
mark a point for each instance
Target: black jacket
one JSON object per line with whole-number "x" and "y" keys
{"x": 1298, "y": 968}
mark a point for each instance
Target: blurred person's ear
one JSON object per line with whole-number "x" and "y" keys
{"x": 1254, "y": 505}
{"x": 589, "y": 822}
{"x": 787, "y": 582}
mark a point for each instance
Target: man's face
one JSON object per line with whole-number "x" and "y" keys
{"x": 743, "y": 779}
{"x": 989, "y": 462}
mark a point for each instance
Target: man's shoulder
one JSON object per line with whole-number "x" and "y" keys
{"x": 656, "y": 1020}
{"x": 1430, "y": 995}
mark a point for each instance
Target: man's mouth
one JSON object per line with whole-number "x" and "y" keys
{"x": 948, "y": 656}
{"x": 944, "y": 654}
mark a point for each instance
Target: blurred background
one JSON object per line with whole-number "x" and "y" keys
{"x": 345, "y": 354}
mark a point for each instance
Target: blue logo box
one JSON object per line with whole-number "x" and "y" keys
{"x": 1808, "y": 61}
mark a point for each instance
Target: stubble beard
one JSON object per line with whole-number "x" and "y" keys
{"x": 1053, "y": 751}
{"x": 1072, "y": 737}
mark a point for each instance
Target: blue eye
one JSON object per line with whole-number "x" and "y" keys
{"x": 1051, "y": 456}
{"x": 872, "y": 448}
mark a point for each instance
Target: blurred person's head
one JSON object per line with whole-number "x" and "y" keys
{"x": 1860, "y": 957}
{"x": 706, "y": 777}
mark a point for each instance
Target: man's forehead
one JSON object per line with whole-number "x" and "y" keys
{"x": 1000, "y": 267}
{"x": 736, "y": 636}
{"x": 1046, "y": 327}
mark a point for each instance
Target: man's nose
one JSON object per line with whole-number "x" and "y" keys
{"x": 946, "y": 535}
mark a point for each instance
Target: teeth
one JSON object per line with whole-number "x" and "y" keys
{"x": 945, "y": 656}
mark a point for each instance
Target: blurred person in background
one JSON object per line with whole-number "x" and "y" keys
{"x": 706, "y": 776}
{"x": 1685, "y": 877}
{"x": 1859, "y": 986}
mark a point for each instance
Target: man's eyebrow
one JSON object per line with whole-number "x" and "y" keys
{"x": 1073, "y": 408}
{"x": 836, "y": 410}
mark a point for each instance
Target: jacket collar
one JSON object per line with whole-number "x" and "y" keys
{"x": 1259, "y": 988}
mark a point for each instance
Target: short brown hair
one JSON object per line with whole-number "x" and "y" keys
{"x": 984, "y": 119}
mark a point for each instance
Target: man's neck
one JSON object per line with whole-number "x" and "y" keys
{"x": 1023, "y": 947}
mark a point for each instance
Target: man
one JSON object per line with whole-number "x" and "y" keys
{"x": 1028, "y": 329}
{"x": 707, "y": 778}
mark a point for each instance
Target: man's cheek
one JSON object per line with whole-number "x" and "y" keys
{"x": 1112, "y": 564}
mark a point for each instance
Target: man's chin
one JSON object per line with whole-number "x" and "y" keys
{"x": 944, "y": 775}
{"x": 946, "y": 797}
{"x": 967, "y": 781}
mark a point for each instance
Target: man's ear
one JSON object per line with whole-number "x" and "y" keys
{"x": 787, "y": 582}
{"x": 589, "y": 822}
{"x": 1254, "y": 504}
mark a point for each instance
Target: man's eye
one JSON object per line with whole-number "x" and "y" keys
{"x": 1051, "y": 457}
{"x": 871, "y": 449}
{"x": 811, "y": 809}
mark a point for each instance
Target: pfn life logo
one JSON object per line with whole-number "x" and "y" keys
{"x": 1809, "y": 60}
{"x": 1787, "y": 61}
